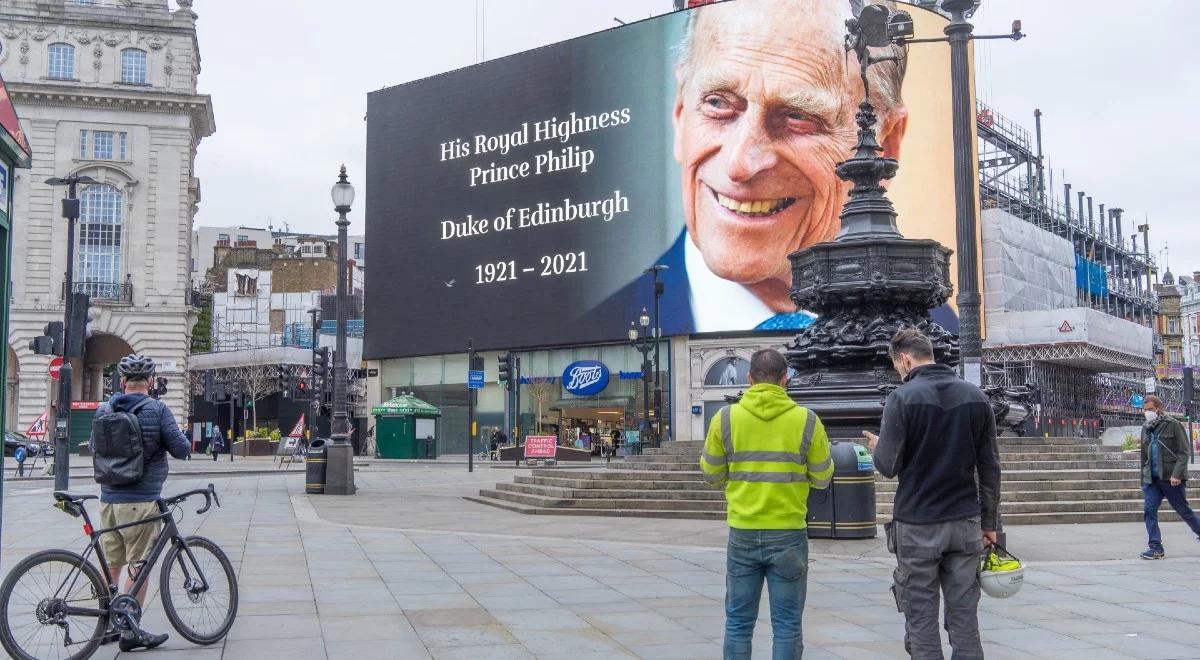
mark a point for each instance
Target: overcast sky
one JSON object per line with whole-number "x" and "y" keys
{"x": 289, "y": 82}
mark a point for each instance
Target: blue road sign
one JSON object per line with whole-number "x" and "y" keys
{"x": 475, "y": 379}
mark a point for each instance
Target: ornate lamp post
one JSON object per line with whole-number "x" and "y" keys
{"x": 869, "y": 282}
{"x": 340, "y": 478}
{"x": 658, "y": 292}
{"x": 959, "y": 33}
{"x": 640, "y": 338}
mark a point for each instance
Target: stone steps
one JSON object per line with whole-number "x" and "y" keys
{"x": 1046, "y": 480}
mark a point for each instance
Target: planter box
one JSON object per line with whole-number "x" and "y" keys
{"x": 255, "y": 447}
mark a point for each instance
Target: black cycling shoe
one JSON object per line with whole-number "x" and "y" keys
{"x": 143, "y": 640}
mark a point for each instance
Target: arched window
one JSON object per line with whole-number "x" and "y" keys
{"x": 133, "y": 66}
{"x": 101, "y": 215}
{"x": 62, "y": 61}
{"x": 728, "y": 372}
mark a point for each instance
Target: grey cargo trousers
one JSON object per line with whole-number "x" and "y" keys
{"x": 941, "y": 558}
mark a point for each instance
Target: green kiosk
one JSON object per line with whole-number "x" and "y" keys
{"x": 406, "y": 427}
{"x": 14, "y": 154}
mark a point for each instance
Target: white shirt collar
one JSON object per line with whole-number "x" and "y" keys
{"x": 726, "y": 305}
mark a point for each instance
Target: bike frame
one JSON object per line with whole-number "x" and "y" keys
{"x": 168, "y": 534}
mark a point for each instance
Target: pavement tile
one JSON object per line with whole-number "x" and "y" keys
{"x": 434, "y": 601}
{"x": 391, "y": 649}
{"x": 473, "y": 616}
{"x": 588, "y": 596}
{"x": 693, "y": 651}
{"x": 465, "y": 636}
{"x": 556, "y": 618}
{"x": 258, "y": 649}
{"x": 493, "y": 652}
{"x": 278, "y": 626}
{"x": 568, "y": 643}
{"x": 1145, "y": 646}
{"x": 1035, "y": 639}
{"x": 366, "y": 628}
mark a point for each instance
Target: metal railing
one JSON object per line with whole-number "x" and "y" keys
{"x": 120, "y": 293}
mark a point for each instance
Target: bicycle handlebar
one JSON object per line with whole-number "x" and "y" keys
{"x": 210, "y": 496}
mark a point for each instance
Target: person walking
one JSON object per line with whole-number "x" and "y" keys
{"x": 1165, "y": 454}
{"x": 217, "y": 442}
{"x": 767, "y": 452}
{"x": 135, "y": 500}
{"x": 938, "y": 436}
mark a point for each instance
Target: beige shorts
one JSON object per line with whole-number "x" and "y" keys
{"x": 132, "y": 544}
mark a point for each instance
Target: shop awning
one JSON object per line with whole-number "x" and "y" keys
{"x": 406, "y": 404}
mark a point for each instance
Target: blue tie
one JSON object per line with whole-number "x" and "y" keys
{"x": 790, "y": 321}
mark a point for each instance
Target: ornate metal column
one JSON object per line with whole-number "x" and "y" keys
{"x": 866, "y": 284}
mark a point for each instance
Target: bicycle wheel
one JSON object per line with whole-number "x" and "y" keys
{"x": 33, "y": 598}
{"x": 199, "y": 593}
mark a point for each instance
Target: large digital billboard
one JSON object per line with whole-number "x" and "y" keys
{"x": 521, "y": 201}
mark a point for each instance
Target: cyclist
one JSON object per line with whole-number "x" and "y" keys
{"x": 120, "y": 505}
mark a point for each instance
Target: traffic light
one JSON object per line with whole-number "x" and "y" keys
{"x": 51, "y": 341}
{"x": 506, "y": 365}
{"x": 160, "y": 387}
{"x": 321, "y": 364}
{"x": 302, "y": 387}
{"x": 284, "y": 379}
{"x": 80, "y": 305}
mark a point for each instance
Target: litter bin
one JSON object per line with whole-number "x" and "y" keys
{"x": 430, "y": 447}
{"x": 315, "y": 465}
{"x": 846, "y": 509}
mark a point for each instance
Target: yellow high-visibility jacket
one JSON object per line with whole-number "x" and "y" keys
{"x": 768, "y": 452}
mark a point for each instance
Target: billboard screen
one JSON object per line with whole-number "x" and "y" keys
{"x": 521, "y": 201}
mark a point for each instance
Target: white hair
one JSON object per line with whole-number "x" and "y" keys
{"x": 886, "y": 78}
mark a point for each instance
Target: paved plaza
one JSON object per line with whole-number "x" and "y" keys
{"x": 409, "y": 569}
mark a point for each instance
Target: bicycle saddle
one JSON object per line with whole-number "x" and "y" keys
{"x": 60, "y": 496}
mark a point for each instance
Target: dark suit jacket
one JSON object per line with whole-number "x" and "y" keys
{"x": 675, "y": 308}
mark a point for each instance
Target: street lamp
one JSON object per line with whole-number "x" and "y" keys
{"x": 959, "y": 33}
{"x": 659, "y": 287}
{"x": 640, "y": 339}
{"x": 70, "y": 211}
{"x": 340, "y": 460}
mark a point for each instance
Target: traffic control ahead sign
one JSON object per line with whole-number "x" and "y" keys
{"x": 475, "y": 379}
{"x": 56, "y": 367}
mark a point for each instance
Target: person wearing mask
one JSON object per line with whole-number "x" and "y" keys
{"x": 1165, "y": 455}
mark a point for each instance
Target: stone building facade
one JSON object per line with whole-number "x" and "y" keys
{"x": 107, "y": 89}
{"x": 1189, "y": 311}
{"x": 1169, "y": 356}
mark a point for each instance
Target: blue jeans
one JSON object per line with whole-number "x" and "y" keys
{"x": 1153, "y": 494}
{"x": 781, "y": 557}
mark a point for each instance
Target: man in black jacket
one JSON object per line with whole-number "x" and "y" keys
{"x": 1165, "y": 453}
{"x": 938, "y": 433}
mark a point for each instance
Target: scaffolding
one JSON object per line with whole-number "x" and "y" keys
{"x": 1082, "y": 384}
{"x": 1114, "y": 275}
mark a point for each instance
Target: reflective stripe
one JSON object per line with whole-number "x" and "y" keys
{"x": 819, "y": 483}
{"x": 768, "y": 456}
{"x": 715, "y": 461}
{"x": 726, "y": 432}
{"x": 810, "y": 426}
{"x": 715, "y": 478}
{"x": 768, "y": 477}
{"x": 822, "y": 466}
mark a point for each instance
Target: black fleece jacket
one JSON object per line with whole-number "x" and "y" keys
{"x": 938, "y": 433}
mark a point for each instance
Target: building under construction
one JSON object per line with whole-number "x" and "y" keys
{"x": 1069, "y": 289}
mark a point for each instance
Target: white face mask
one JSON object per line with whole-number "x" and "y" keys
{"x": 1151, "y": 416}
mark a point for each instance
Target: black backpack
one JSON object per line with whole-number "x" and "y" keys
{"x": 118, "y": 458}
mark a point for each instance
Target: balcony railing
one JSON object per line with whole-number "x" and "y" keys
{"x": 119, "y": 293}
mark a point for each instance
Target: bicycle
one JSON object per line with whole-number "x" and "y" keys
{"x": 62, "y": 604}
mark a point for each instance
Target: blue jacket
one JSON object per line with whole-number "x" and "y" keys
{"x": 160, "y": 435}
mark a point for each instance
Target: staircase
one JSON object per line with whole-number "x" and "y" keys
{"x": 1046, "y": 480}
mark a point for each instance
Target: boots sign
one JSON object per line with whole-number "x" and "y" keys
{"x": 585, "y": 378}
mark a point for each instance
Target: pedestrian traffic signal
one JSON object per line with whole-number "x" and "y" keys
{"x": 51, "y": 341}
{"x": 506, "y": 365}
